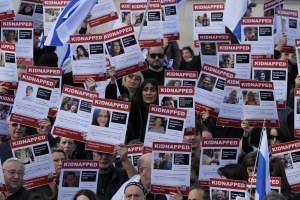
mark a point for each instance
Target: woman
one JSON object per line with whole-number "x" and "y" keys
{"x": 26, "y": 10}
{"x": 261, "y": 76}
{"x": 81, "y": 53}
{"x": 101, "y": 118}
{"x": 278, "y": 135}
{"x": 147, "y": 94}
{"x": 67, "y": 145}
{"x": 250, "y": 99}
{"x": 132, "y": 82}
{"x": 157, "y": 163}
{"x": 189, "y": 60}
{"x": 116, "y": 48}
{"x": 85, "y": 195}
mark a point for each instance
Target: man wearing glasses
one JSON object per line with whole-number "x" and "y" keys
{"x": 13, "y": 172}
{"x": 16, "y": 131}
{"x": 155, "y": 59}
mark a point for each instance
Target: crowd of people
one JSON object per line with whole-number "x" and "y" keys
{"x": 118, "y": 178}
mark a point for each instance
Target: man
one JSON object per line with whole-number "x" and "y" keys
{"x": 220, "y": 195}
{"x": 144, "y": 178}
{"x": 232, "y": 98}
{"x": 13, "y": 172}
{"x": 17, "y": 131}
{"x": 155, "y": 59}
{"x": 250, "y": 34}
{"x": 110, "y": 178}
{"x": 135, "y": 190}
{"x": 168, "y": 101}
{"x": 206, "y": 83}
{"x": 227, "y": 61}
{"x": 157, "y": 128}
{"x": 196, "y": 193}
{"x": 167, "y": 162}
{"x": 208, "y": 49}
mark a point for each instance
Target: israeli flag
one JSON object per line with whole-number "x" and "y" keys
{"x": 68, "y": 21}
{"x": 233, "y": 12}
{"x": 64, "y": 58}
{"x": 263, "y": 171}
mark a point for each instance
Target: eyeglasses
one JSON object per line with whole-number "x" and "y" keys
{"x": 14, "y": 172}
{"x": 135, "y": 77}
{"x": 15, "y": 125}
{"x": 272, "y": 137}
{"x": 153, "y": 55}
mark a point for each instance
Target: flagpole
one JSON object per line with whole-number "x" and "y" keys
{"x": 143, "y": 20}
{"x": 261, "y": 134}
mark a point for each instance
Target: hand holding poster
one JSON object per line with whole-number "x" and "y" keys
{"x": 216, "y": 153}
{"x": 286, "y": 23}
{"x": 107, "y": 125}
{"x": 34, "y": 152}
{"x": 33, "y": 100}
{"x": 207, "y": 18}
{"x": 31, "y": 10}
{"x": 104, "y": 11}
{"x": 258, "y": 31}
{"x": 54, "y": 74}
{"x": 180, "y": 97}
{"x": 297, "y": 112}
{"x": 74, "y": 113}
{"x": 235, "y": 58}
{"x": 164, "y": 124}
{"x": 271, "y": 7}
{"x": 134, "y": 152}
{"x": 288, "y": 152}
{"x": 259, "y": 105}
{"x": 88, "y": 58}
{"x": 77, "y": 175}
{"x": 20, "y": 33}
{"x": 124, "y": 51}
{"x": 170, "y": 169}
{"x": 8, "y": 63}
{"x": 231, "y": 110}
{"x": 152, "y": 32}
{"x": 170, "y": 20}
{"x": 6, "y": 9}
{"x": 275, "y": 184}
{"x": 51, "y": 10}
{"x": 208, "y": 47}
{"x": 210, "y": 88}
{"x": 180, "y": 78}
{"x": 275, "y": 71}
{"x": 227, "y": 189}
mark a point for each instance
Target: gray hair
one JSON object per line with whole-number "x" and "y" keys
{"x": 13, "y": 160}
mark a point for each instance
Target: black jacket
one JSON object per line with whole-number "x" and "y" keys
{"x": 109, "y": 184}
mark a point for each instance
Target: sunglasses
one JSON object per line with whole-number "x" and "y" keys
{"x": 272, "y": 137}
{"x": 153, "y": 55}
{"x": 135, "y": 77}
{"x": 15, "y": 125}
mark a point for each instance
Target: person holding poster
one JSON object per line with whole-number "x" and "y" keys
{"x": 15, "y": 189}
